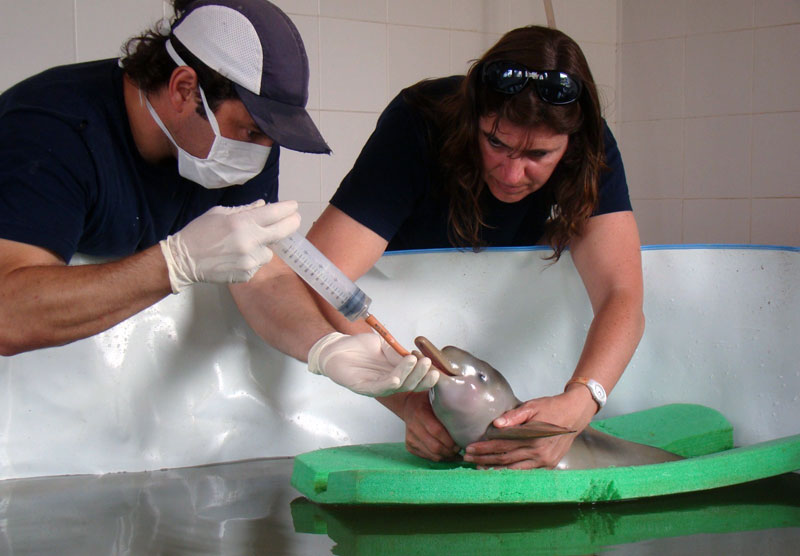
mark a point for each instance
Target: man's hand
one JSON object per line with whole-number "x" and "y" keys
{"x": 426, "y": 437}
{"x": 366, "y": 364}
{"x": 227, "y": 244}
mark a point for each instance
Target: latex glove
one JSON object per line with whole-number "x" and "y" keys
{"x": 363, "y": 363}
{"x": 227, "y": 244}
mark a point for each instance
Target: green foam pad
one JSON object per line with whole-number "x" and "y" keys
{"x": 388, "y": 474}
{"x": 551, "y": 529}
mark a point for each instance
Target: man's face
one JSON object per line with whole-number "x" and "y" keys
{"x": 518, "y": 161}
{"x": 234, "y": 121}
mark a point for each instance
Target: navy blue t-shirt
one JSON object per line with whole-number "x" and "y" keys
{"x": 72, "y": 180}
{"x": 395, "y": 188}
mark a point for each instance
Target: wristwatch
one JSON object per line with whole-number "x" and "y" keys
{"x": 595, "y": 388}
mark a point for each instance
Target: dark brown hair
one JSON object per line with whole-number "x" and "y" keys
{"x": 572, "y": 189}
{"x": 147, "y": 63}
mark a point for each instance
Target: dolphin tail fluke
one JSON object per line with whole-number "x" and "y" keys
{"x": 531, "y": 429}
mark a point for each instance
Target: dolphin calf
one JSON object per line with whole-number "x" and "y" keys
{"x": 470, "y": 394}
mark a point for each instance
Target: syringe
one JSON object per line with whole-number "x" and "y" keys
{"x": 330, "y": 283}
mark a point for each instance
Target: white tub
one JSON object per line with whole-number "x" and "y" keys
{"x": 186, "y": 382}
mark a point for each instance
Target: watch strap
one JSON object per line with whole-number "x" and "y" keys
{"x": 595, "y": 389}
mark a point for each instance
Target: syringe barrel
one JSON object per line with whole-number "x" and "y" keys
{"x": 322, "y": 275}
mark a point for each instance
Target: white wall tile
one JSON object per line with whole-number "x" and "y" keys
{"x": 467, "y": 15}
{"x": 587, "y": 20}
{"x": 644, "y": 20}
{"x": 43, "y": 29}
{"x": 775, "y": 222}
{"x": 301, "y": 176}
{"x": 718, "y": 74}
{"x": 416, "y": 53}
{"x": 346, "y": 133}
{"x": 709, "y": 16}
{"x": 425, "y": 13}
{"x": 777, "y": 12}
{"x": 653, "y": 156}
{"x": 777, "y": 69}
{"x": 776, "y": 164}
{"x": 465, "y": 46}
{"x": 102, "y": 27}
{"x": 652, "y": 80}
{"x": 615, "y": 129}
{"x": 490, "y": 16}
{"x": 660, "y": 222}
{"x": 527, "y": 12}
{"x": 298, "y": 7}
{"x": 372, "y": 10}
{"x": 718, "y": 157}
{"x": 602, "y": 60}
{"x": 497, "y": 16}
{"x": 740, "y": 171}
{"x": 353, "y": 65}
{"x": 309, "y": 212}
{"x": 308, "y": 27}
{"x": 716, "y": 221}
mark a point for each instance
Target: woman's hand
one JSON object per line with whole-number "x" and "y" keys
{"x": 573, "y": 409}
{"x": 426, "y": 437}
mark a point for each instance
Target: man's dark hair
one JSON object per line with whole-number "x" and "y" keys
{"x": 146, "y": 61}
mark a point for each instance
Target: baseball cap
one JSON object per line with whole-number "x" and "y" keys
{"x": 257, "y": 47}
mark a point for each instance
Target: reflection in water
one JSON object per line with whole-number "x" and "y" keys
{"x": 746, "y": 517}
{"x": 235, "y": 508}
{"x": 249, "y": 508}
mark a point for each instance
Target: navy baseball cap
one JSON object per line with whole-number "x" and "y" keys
{"x": 257, "y": 47}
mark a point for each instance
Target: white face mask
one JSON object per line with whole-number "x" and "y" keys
{"x": 229, "y": 162}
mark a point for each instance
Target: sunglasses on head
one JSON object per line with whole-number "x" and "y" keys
{"x": 553, "y": 86}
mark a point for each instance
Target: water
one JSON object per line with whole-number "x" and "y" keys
{"x": 250, "y": 508}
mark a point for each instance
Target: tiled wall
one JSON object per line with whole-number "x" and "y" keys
{"x": 709, "y": 119}
{"x": 703, "y": 94}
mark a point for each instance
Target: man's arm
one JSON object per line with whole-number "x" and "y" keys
{"x": 44, "y": 302}
{"x": 278, "y": 307}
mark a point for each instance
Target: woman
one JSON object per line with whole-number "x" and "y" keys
{"x": 514, "y": 153}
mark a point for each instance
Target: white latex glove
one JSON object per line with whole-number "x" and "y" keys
{"x": 367, "y": 365}
{"x": 227, "y": 244}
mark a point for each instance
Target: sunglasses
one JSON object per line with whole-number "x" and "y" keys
{"x": 554, "y": 87}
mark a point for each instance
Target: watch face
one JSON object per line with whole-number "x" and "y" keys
{"x": 599, "y": 393}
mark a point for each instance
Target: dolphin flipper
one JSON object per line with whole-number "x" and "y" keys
{"x": 593, "y": 449}
{"x": 531, "y": 429}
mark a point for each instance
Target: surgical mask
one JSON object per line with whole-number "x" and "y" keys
{"x": 229, "y": 162}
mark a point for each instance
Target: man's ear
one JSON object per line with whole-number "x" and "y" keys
{"x": 182, "y": 89}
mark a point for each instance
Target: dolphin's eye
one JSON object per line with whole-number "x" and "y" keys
{"x": 482, "y": 377}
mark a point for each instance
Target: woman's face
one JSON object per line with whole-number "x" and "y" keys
{"x": 518, "y": 161}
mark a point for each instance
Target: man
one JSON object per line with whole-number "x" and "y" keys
{"x": 166, "y": 161}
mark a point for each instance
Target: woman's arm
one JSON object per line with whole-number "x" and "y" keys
{"x": 608, "y": 259}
